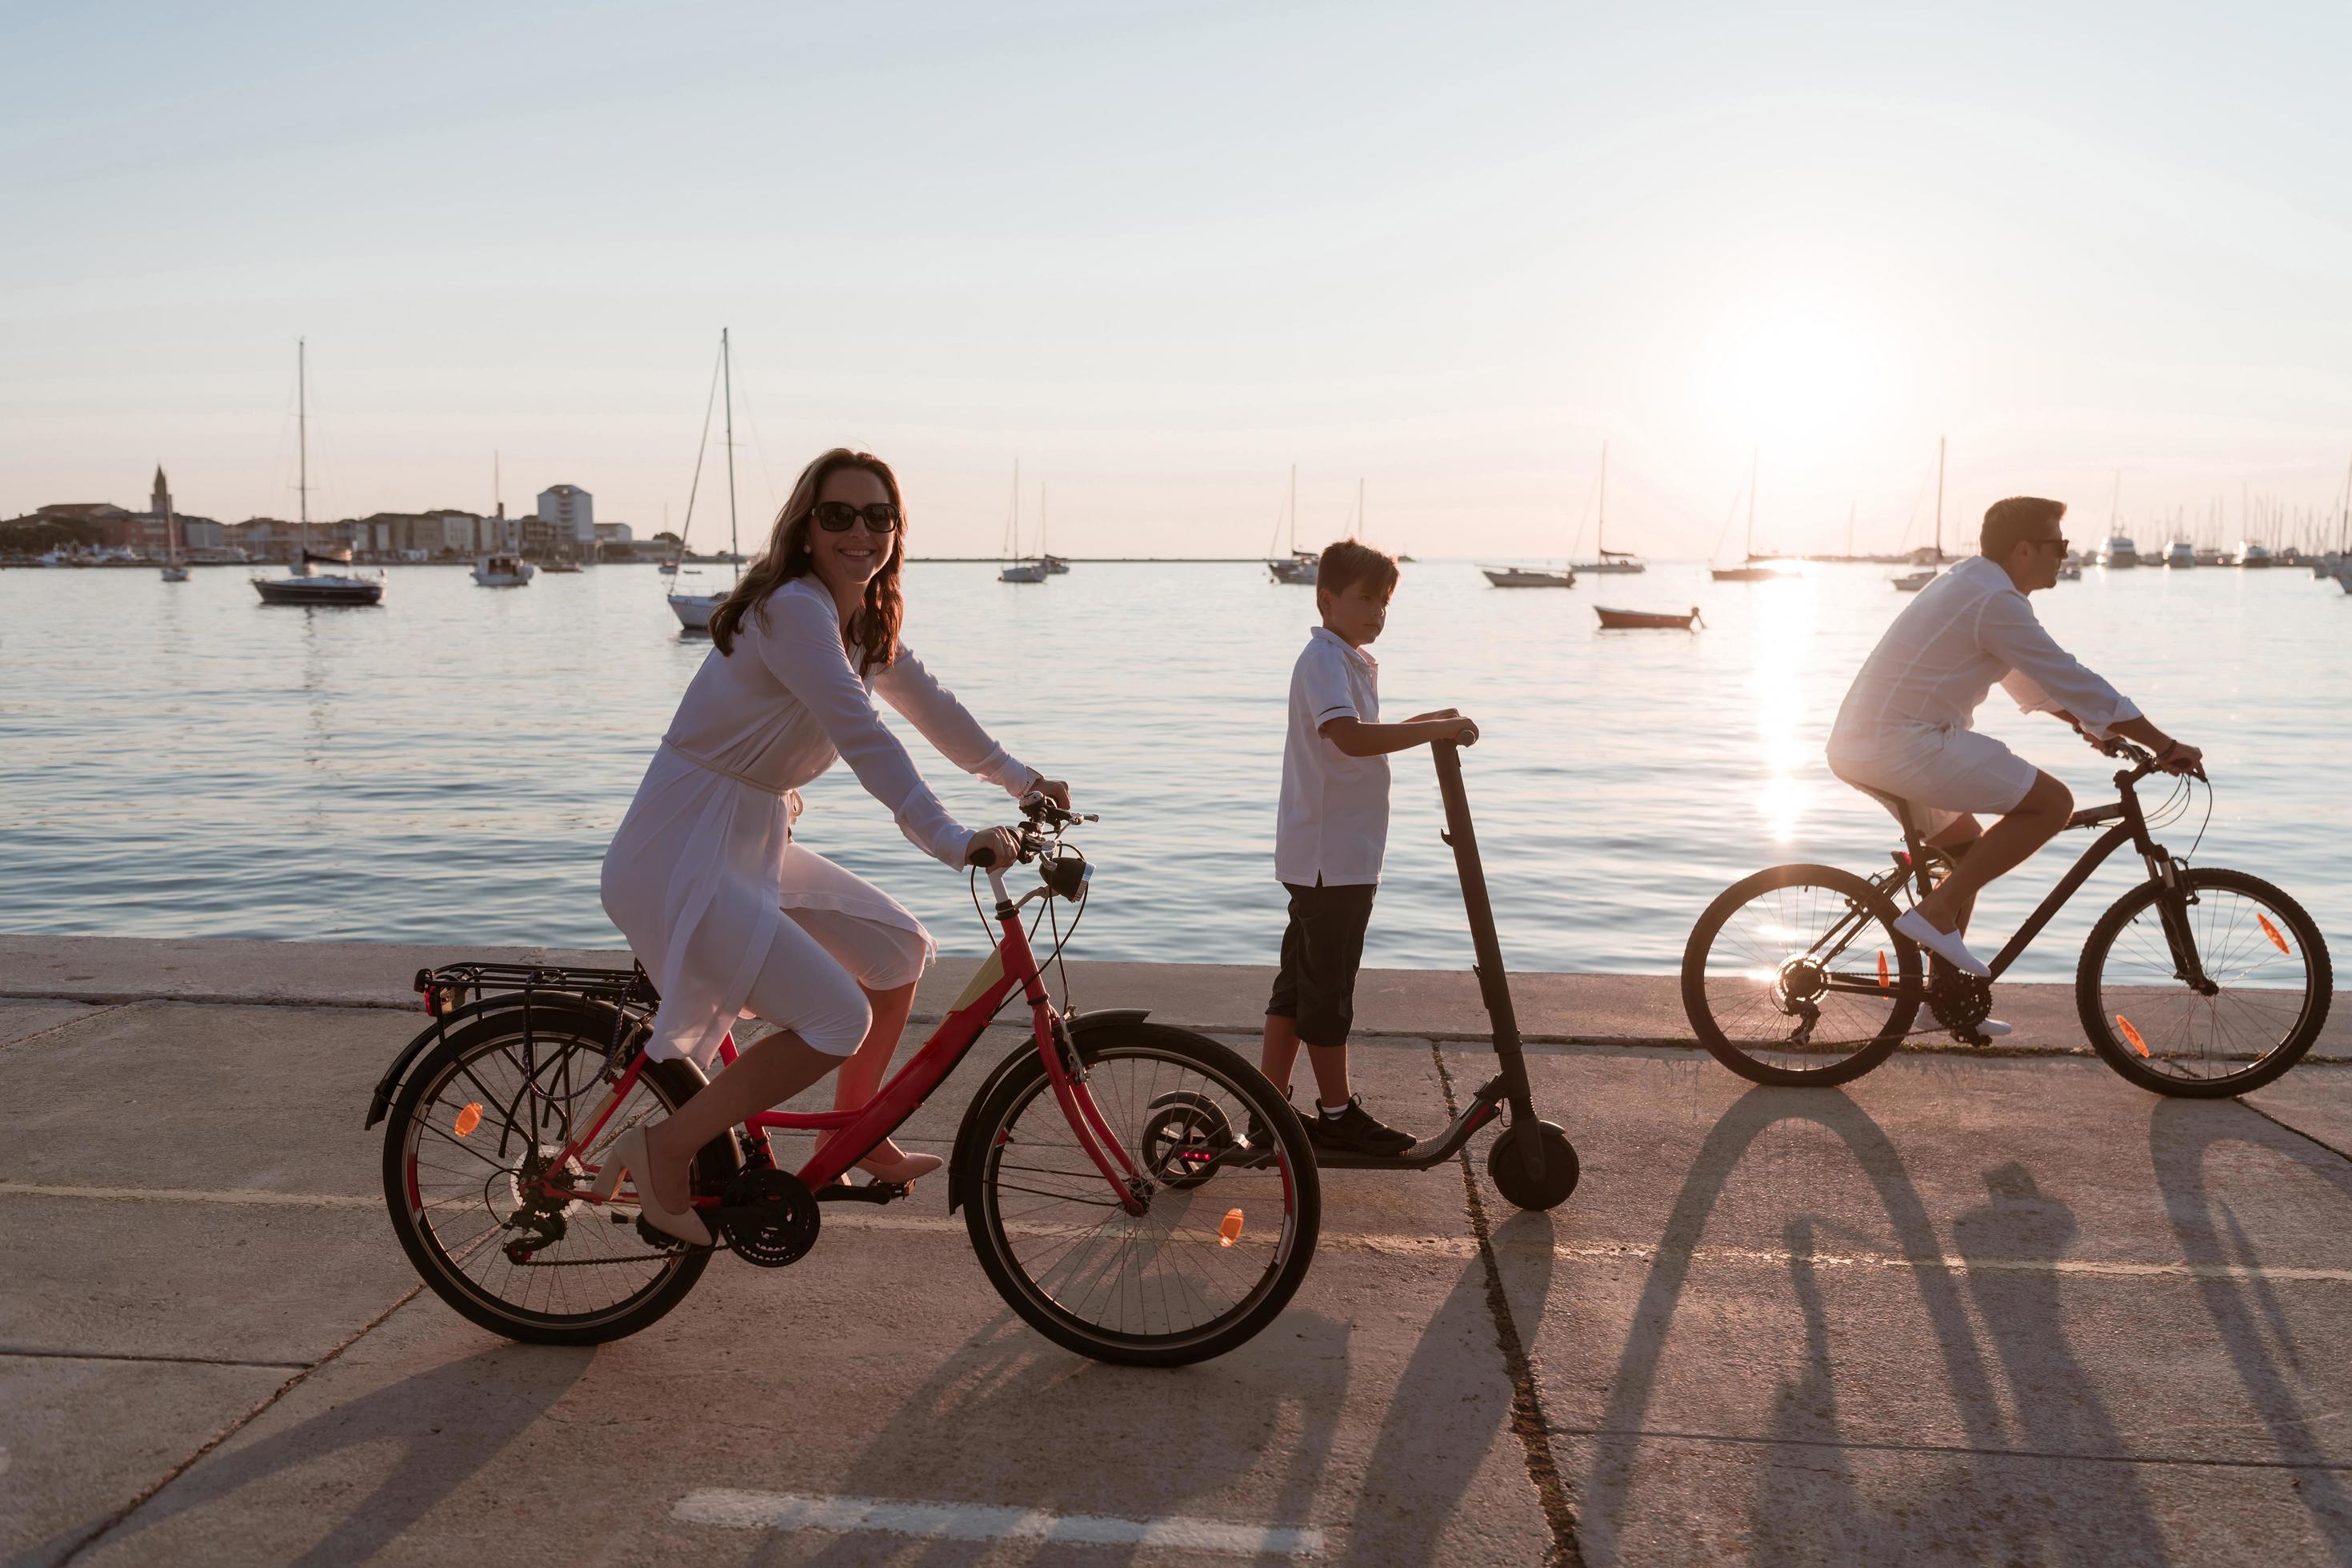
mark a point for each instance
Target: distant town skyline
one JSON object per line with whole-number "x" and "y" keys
{"x": 1161, "y": 254}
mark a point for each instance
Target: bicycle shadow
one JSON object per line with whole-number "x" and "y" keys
{"x": 2249, "y": 1319}
{"x": 449, "y": 1423}
{"x": 1805, "y": 1507}
{"x": 1434, "y": 1437}
{"x": 1157, "y": 1440}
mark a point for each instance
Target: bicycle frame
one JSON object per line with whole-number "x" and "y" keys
{"x": 1013, "y": 966}
{"x": 2131, "y": 824}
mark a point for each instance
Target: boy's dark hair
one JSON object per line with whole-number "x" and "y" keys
{"x": 1348, "y": 562}
{"x": 2007, "y": 522}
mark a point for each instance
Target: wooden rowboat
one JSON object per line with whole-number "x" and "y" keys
{"x": 1631, "y": 620}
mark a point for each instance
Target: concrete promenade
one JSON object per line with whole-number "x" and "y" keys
{"x": 1973, "y": 1307}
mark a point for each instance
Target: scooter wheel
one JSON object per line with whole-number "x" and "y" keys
{"x": 1507, "y": 1167}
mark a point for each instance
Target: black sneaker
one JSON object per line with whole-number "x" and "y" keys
{"x": 1354, "y": 1132}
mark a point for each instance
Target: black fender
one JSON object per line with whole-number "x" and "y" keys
{"x": 436, "y": 1031}
{"x": 967, "y": 1134}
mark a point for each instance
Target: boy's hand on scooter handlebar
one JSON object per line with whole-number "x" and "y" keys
{"x": 1434, "y": 713}
{"x": 992, "y": 846}
{"x": 1459, "y": 731}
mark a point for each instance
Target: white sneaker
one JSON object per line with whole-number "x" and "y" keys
{"x": 1993, "y": 1028}
{"x": 1945, "y": 945}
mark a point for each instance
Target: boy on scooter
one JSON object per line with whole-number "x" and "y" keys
{"x": 1329, "y": 834}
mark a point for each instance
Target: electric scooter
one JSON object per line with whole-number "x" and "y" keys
{"x": 1532, "y": 1163}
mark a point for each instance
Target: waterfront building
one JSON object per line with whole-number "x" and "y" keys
{"x": 571, "y": 513}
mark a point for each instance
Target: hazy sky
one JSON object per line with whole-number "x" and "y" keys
{"x": 1160, "y": 252}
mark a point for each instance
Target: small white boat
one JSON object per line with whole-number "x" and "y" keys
{"x": 174, "y": 568}
{"x": 1055, "y": 566}
{"x": 669, "y": 568}
{"x": 2180, "y": 554}
{"x": 1912, "y": 581}
{"x": 560, "y": 565}
{"x": 300, "y": 585}
{"x": 1018, "y": 570}
{"x": 2250, "y": 554}
{"x": 502, "y": 570}
{"x": 1298, "y": 568}
{"x": 2070, "y": 574}
{"x": 2118, "y": 552}
{"x": 1529, "y": 577}
{"x": 693, "y": 610}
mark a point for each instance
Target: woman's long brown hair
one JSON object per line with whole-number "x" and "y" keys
{"x": 876, "y": 628}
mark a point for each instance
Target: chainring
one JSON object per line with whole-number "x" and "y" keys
{"x": 1960, "y": 1002}
{"x": 783, "y": 1224}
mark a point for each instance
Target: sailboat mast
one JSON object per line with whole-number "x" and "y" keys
{"x": 1753, "y": 458}
{"x": 1939, "y": 500}
{"x": 302, "y": 436}
{"x": 1359, "y": 511}
{"x": 1293, "y": 510}
{"x": 726, "y": 376}
{"x": 1600, "y": 523}
{"x": 1849, "y": 529}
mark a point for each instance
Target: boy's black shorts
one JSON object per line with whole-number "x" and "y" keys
{"x": 1321, "y": 949}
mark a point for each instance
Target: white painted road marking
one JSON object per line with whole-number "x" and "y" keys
{"x": 981, "y": 1521}
{"x": 1453, "y": 1248}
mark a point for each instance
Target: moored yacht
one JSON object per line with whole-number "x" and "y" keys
{"x": 500, "y": 571}
{"x": 2118, "y": 550}
{"x": 2253, "y": 554}
{"x": 300, "y": 585}
{"x": 2181, "y": 553}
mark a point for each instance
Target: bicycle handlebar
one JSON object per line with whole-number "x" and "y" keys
{"x": 1037, "y": 813}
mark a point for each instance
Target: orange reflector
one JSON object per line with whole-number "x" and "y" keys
{"x": 1229, "y": 1229}
{"x": 1882, "y": 969}
{"x": 2271, "y": 931}
{"x": 469, "y": 1118}
{"x": 2131, "y": 1034}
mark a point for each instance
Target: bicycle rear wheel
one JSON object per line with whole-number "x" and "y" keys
{"x": 1224, "y": 1240}
{"x": 473, "y": 1130}
{"x": 2264, "y": 959}
{"x": 1795, "y": 975}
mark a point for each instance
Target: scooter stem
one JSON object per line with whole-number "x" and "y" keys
{"x": 1493, "y": 987}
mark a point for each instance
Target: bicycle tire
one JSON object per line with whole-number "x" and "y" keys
{"x": 1701, "y": 1011}
{"x": 2128, "y": 1061}
{"x": 1291, "y": 1162}
{"x": 555, "y": 1024}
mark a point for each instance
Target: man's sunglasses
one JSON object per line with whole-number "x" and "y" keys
{"x": 835, "y": 516}
{"x": 2060, "y": 543}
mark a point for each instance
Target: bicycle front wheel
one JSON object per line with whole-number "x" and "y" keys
{"x": 1795, "y": 975}
{"x": 1227, "y": 1179}
{"x": 2264, "y": 997}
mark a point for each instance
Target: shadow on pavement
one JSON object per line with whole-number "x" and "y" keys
{"x": 1808, "y": 1499}
{"x": 2247, "y": 1317}
{"x": 449, "y": 1423}
{"x": 992, "y": 1424}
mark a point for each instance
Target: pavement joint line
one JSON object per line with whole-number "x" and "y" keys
{"x": 30, "y": 1354}
{"x": 1887, "y": 1445}
{"x": 1527, "y": 1422}
{"x": 2290, "y": 1127}
{"x": 106, "y": 1526}
{"x": 1448, "y": 1247}
{"x": 733, "y": 1509}
{"x": 95, "y": 1014}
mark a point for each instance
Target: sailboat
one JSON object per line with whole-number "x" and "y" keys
{"x": 1015, "y": 569}
{"x": 1054, "y": 564}
{"x": 174, "y": 568}
{"x": 1912, "y": 581}
{"x": 501, "y": 568}
{"x": 1611, "y": 561}
{"x": 694, "y": 610}
{"x": 300, "y": 585}
{"x": 1749, "y": 572}
{"x": 1299, "y": 566}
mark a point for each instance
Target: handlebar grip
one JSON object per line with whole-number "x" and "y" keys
{"x": 981, "y": 858}
{"x": 1467, "y": 736}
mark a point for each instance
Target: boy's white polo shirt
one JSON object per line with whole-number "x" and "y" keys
{"x": 1333, "y": 820}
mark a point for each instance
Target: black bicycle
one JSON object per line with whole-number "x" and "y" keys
{"x": 2200, "y": 982}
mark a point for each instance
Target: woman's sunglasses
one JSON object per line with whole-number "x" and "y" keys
{"x": 835, "y": 516}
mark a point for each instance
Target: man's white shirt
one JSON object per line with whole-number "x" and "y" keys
{"x": 1937, "y": 663}
{"x": 1332, "y": 824}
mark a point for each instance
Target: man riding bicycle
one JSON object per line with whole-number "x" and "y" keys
{"x": 1905, "y": 733}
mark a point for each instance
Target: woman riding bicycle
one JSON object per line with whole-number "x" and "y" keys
{"x": 729, "y": 914}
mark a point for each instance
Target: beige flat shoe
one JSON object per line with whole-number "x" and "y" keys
{"x": 627, "y": 1153}
{"x": 902, "y": 1171}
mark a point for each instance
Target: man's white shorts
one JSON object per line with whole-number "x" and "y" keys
{"x": 1944, "y": 774}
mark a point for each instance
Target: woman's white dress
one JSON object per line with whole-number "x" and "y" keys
{"x": 704, "y": 864}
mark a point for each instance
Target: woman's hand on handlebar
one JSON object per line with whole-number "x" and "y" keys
{"x": 992, "y": 846}
{"x": 1055, "y": 790}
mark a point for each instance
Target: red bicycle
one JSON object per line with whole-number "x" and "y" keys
{"x": 1111, "y": 1200}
